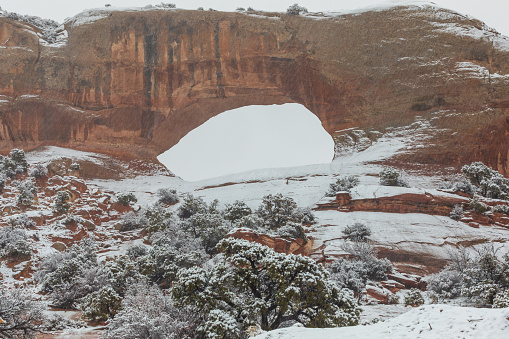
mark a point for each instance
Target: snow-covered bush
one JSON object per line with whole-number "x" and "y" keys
{"x": 136, "y": 251}
{"x": 209, "y": 227}
{"x": 61, "y": 204}
{"x": 391, "y": 177}
{"x": 343, "y": 184}
{"x": 501, "y": 209}
{"x": 20, "y": 161}
{"x": 414, "y": 298}
{"x": 146, "y": 313}
{"x": 354, "y": 273}
{"x": 477, "y": 206}
{"x": 501, "y": 299}
{"x": 101, "y": 305}
{"x": 357, "y": 232}
{"x": 167, "y": 196}
{"x": 38, "y": 172}
{"x": 445, "y": 284}
{"x": 252, "y": 221}
{"x": 479, "y": 277}
{"x": 295, "y": 9}
{"x": 157, "y": 218}
{"x": 70, "y": 275}
{"x": 23, "y": 317}
{"x": 7, "y": 166}
{"x": 127, "y": 199}
{"x": 236, "y": 211}
{"x": 488, "y": 182}
{"x": 14, "y": 243}
{"x": 75, "y": 166}
{"x": 166, "y": 5}
{"x": 132, "y": 220}
{"x": 465, "y": 186}
{"x": 58, "y": 322}
{"x": 27, "y": 192}
{"x": 21, "y": 221}
{"x": 292, "y": 230}
{"x": 3, "y": 181}
{"x": 457, "y": 212}
{"x": 256, "y": 285}
{"x": 393, "y": 299}
{"x": 191, "y": 206}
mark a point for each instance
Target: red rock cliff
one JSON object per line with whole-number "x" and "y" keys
{"x": 136, "y": 82}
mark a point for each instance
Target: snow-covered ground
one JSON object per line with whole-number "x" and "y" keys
{"x": 431, "y": 321}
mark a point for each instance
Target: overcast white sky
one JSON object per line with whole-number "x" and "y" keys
{"x": 493, "y": 12}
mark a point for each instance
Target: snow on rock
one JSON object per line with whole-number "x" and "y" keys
{"x": 431, "y": 321}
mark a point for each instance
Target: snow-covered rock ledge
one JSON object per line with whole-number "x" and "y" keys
{"x": 431, "y": 321}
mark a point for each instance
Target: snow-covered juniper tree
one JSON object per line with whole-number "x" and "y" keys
{"x": 255, "y": 285}
{"x": 277, "y": 210}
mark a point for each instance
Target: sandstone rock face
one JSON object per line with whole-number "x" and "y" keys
{"x": 134, "y": 83}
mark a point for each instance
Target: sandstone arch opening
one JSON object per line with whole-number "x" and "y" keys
{"x": 251, "y": 137}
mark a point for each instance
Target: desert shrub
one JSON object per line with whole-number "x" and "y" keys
{"x": 354, "y": 273}
{"x": 465, "y": 186}
{"x": 61, "y": 204}
{"x": 132, "y": 220}
{"x": 240, "y": 9}
{"x": 414, "y": 298}
{"x": 236, "y": 211}
{"x": 58, "y": 322}
{"x": 191, "y": 206}
{"x": 3, "y": 181}
{"x": 136, "y": 251}
{"x": 127, "y": 199}
{"x": 209, "y": 227}
{"x": 295, "y": 9}
{"x": 101, "y": 305}
{"x": 19, "y": 159}
{"x": 357, "y": 232}
{"x": 457, "y": 212}
{"x": 157, "y": 218}
{"x": 488, "y": 182}
{"x": 308, "y": 216}
{"x": 393, "y": 299}
{"x": 252, "y": 221}
{"x": 147, "y": 313}
{"x": 23, "y": 316}
{"x": 166, "y": 5}
{"x": 70, "y": 275}
{"x": 477, "y": 206}
{"x": 343, "y": 184}
{"x": 167, "y": 196}
{"x": 21, "y": 221}
{"x": 255, "y": 285}
{"x": 14, "y": 243}
{"x": 38, "y": 172}
{"x": 27, "y": 192}
{"x": 75, "y": 166}
{"x": 501, "y": 300}
{"x": 250, "y": 10}
{"x": 445, "y": 284}
{"x": 392, "y": 177}
{"x": 292, "y": 230}
{"x": 501, "y": 209}
{"x": 122, "y": 272}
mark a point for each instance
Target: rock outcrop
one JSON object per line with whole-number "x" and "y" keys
{"x": 134, "y": 83}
